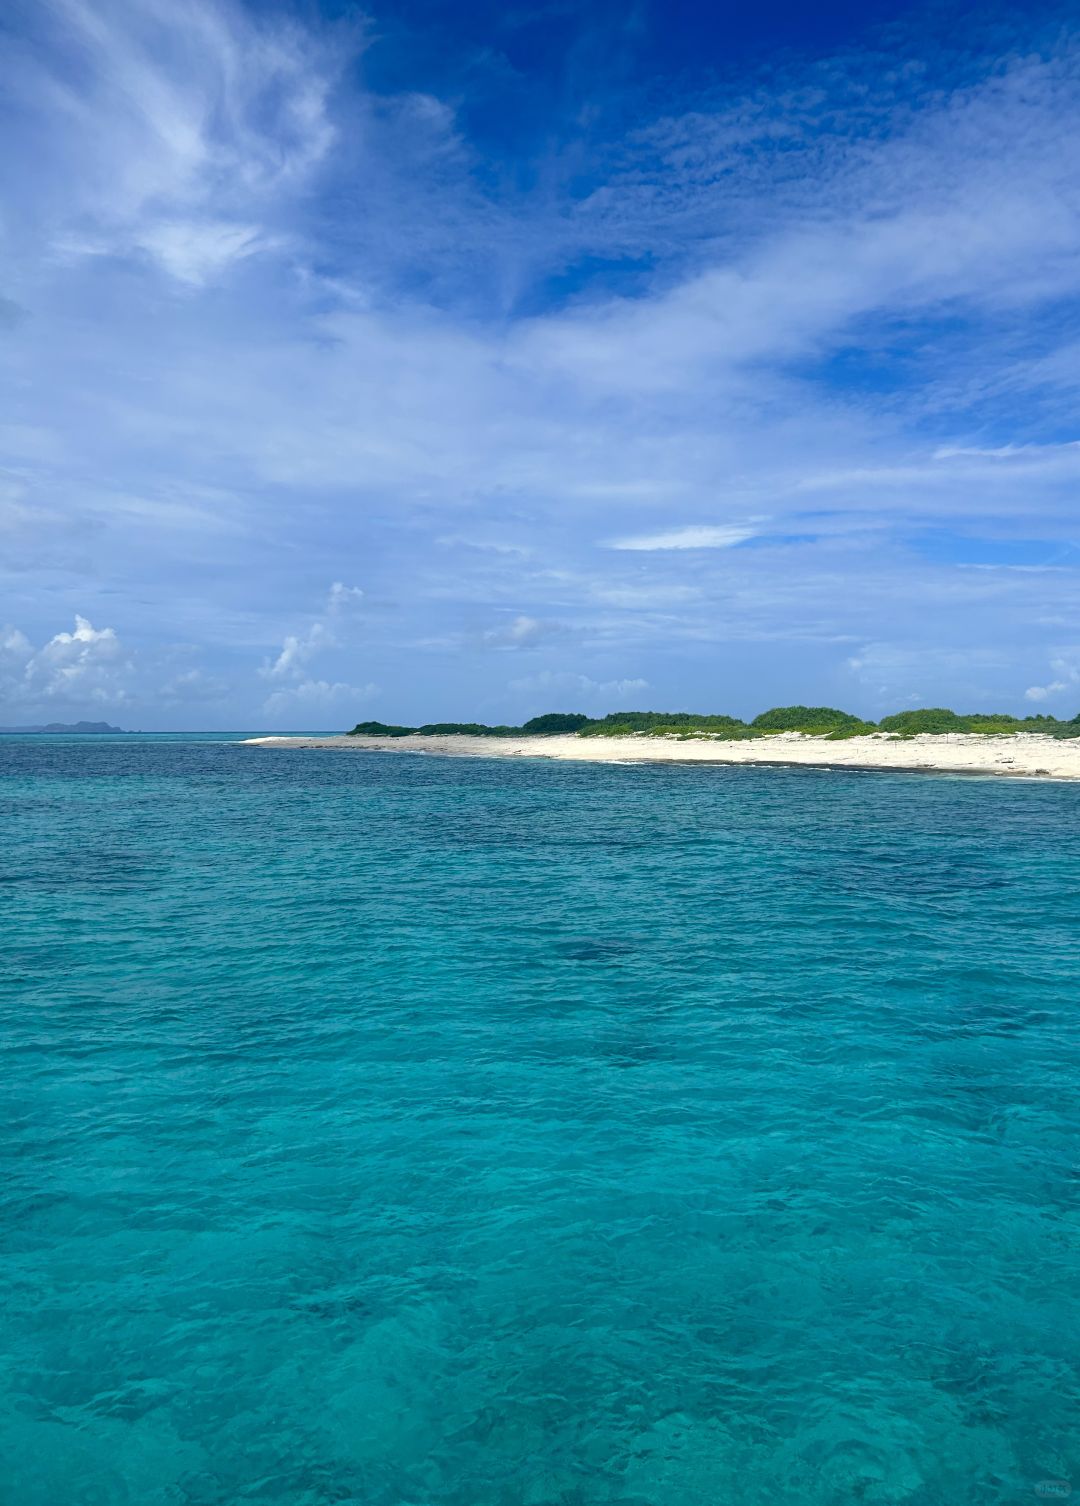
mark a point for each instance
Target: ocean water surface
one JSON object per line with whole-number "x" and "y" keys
{"x": 416, "y": 1131}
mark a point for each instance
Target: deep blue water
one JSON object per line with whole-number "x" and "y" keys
{"x": 430, "y": 1132}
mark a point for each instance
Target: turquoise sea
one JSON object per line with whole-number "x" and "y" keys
{"x": 412, "y": 1131}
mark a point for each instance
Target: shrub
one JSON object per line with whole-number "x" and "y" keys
{"x": 623, "y": 723}
{"x": 857, "y": 729}
{"x": 466, "y": 729}
{"x": 452, "y": 729}
{"x": 380, "y": 729}
{"x": 807, "y": 719}
{"x": 989, "y": 723}
{"x": 556, "y": 721}
{"x": 995, "y": 721}
{"x": 927, "y": 719}
{"x": 822, "y": 721}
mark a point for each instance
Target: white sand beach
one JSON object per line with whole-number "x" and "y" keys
{"x": 1022, "y": 755}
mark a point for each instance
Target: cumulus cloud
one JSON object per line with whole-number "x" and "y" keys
{"x": 341, "y": 596}
{"x": 87, "y": 666}
{"x": 1065, "y": 666}
{"x": 15, "y": 646}
{"x": 303, "y": 696}
{"x": 296, "y": 650}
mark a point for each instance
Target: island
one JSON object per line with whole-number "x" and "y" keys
{"x": 926, "y": 740}
{"x": 90, "y": 728}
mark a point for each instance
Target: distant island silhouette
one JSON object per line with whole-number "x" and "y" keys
{"x": 96, "y": 727}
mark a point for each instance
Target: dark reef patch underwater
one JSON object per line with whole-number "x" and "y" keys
{"x": 450, "y": 1131}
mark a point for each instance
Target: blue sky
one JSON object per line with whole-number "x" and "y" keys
{"x": 448, "y": 360}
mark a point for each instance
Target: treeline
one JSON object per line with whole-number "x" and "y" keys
{"x": 539, "y": 726}
{"x": 820, "y": 721}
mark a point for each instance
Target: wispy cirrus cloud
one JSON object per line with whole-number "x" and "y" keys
{"x": 843, "y": 297}
{"x": 693, "y": 536}
{"x": 562, "y": 683}
{"x": 166, "y": 128}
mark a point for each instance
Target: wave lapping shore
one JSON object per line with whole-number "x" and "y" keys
{"x": 1020, "y": 755}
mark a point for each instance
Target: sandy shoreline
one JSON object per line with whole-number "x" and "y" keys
{"x": 1023, "y": 755}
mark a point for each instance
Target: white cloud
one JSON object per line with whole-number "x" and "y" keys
{"x": 195, "y": 253}
{"x": 296, "y": 650}
{"x": 178, "y": 121}
{"x": 87, "y": 666}
{"x": 899, "y": 674}
{"x": 1065, "y": 666}
{"x": 523, "y": 632}
{"x": 694, "y": 536}
{"x": 954, "y": 210}
{"x": 194, "y": 685}
{"x": 406, "y": 399}
{"x": 341, "y": 596}
{"x": 84, "y": 664}
{"x": 1068, "y": 448}
{"x": 643, "y": 596}
{"x": 554, "y": 682}
{"x": 1019, "y": 569}
{"x": 483, "y": 546}
{"x": 15, "y": 645}
{"x": 316, "y": 697}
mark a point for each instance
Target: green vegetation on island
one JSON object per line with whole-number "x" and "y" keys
{"x": 463, "y": 729}
{"x": 822, "y": 721}
{"x": 815, "y": 721}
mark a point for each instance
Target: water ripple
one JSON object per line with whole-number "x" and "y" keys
{"x": 393, "y": 1130}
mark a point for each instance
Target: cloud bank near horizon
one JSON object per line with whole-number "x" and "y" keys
{"x": 339, "y": 385}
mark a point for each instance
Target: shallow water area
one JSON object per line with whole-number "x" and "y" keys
{"x": 443, "y": 1130}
